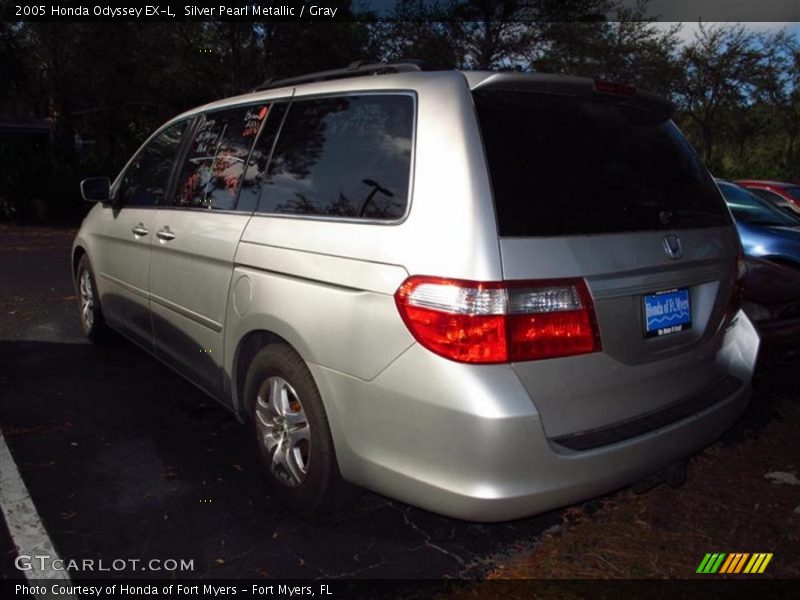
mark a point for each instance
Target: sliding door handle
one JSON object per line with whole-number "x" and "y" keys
{"x": 165, "y": 234}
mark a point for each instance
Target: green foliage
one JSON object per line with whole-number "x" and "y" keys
{"x": 739, "y": 95}
{"x": 108, "y": 86}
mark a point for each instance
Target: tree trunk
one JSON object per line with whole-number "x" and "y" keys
{"x": 790, "y": 169}
{"x": 708, "y": 143}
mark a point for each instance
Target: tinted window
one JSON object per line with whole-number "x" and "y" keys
{"x": 344, "y": 157}
{"x": 215, "y": 162}
{"x": 793, "y": 191}
{"x": 766, "y": 195}
{"x": 772, "y": 198}
{"x": 256, "y": 169}
{"x": 566, "y": 166}
{"x": 752, "y": 210}
{"x": 146, "y": 178}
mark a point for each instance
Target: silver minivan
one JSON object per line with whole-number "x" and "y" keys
{"x": 485, "y": 294}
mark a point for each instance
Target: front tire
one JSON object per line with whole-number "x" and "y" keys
{"x": 94, "y": 325}
{"x": 291, "y": 433}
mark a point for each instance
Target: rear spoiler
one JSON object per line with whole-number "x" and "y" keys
{"x": 561, "y": 85}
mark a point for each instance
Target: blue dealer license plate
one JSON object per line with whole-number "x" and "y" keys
{"x": 667, "y": 312}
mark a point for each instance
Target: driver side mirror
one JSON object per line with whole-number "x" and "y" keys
{"x": 96, "y": 189}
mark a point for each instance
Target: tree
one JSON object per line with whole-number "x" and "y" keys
{"x": 636, "y": 51}
{"x": 630, "y": 48}
{"x": 421, "y": 29}
{"x": 494, "y": 34}
{"x": 719, "y": 77}
{"x": 778, "y": 89}
{"x": 294, "y": 48}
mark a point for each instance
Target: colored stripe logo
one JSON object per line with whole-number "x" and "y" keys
{"x": 736, "y": 562}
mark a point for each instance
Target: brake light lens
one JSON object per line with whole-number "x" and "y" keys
{"x": 499, "y": 322}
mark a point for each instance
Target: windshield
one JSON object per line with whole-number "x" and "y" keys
{"x": 749, "y": 208}
{"x": 563, "y": 165}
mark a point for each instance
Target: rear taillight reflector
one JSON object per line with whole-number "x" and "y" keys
{"x": 737, "y": 293}
{"x": 741, "y": 267}
{"x": 497, "y": 322}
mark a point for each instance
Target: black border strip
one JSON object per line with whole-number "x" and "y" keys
{"x": 529, "y": 11}
{"x": 619, "y": 432}
{"x": 361, "y": 589}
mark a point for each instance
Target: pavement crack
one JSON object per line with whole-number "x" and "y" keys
{"x": 302, "y": 562}
{"x": 427, "y": 542}
{"x": 358, "y": 572}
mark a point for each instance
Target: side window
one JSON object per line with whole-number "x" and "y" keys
{"x": 215, "y": 162}
{"x": 256, "y": 169}
{"x": 344, "y": 157}
{"x": 146, "y": 178}
{"x": 769, "y": 196}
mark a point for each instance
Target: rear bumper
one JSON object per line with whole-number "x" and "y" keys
{"x": 467, "y": 441}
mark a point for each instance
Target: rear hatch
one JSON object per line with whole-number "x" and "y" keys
{"x": 594, "y": 181}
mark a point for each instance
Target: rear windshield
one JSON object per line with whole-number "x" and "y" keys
{"x": 561, "y": 165}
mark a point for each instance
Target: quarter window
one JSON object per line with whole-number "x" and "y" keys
{"x": 146, "y": 178}
{"x": 793, "y": 191}
{"x": 769, "y": 196}
{"x": 342, "y": 157}
{"x": 211, "y": 174}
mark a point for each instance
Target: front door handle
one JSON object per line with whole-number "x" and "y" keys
{"x": 140, "y": 230}
{"x": 165, "y": 234}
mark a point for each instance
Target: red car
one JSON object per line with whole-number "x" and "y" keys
{"x": 785, "y": 196}
{"x": 771, "y": 298}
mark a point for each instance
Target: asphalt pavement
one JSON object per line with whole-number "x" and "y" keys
{"x": 126, "y": 460}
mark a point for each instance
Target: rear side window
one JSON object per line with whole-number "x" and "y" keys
{"x": 145, "y": 180}
{"x": 562, "y": 165}
{"x": 256, "y": 169}
{"x": 342, "y": 157}
{"x": 793, "y": 191}
{"x": 216, "y": 159}
{"x": 749, "y": 208}
{"x": 771, "y": 197}
{"x": 767, "y": 195}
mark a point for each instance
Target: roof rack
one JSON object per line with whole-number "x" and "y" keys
{"x": 354, "y": 69}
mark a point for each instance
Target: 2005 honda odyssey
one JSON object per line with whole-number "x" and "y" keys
{"x": 485, "y": 294}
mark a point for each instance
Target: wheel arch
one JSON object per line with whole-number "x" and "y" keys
{"x": 249, "y": 345}
{"x": 77, "y": 253}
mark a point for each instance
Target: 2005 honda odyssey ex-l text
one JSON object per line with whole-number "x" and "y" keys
{"x": 484, "y": 294}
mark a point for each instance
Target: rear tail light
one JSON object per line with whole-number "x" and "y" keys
{"x": 499, "y": 322}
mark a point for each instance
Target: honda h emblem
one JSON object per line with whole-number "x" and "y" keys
{"x": 672, "y": 246}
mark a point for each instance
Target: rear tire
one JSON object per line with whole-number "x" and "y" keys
{"x": 91, "y": 313}
{"x": 291, "y": 434}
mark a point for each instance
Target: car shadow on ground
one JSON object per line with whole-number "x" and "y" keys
{"x": 125, "y": 459}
